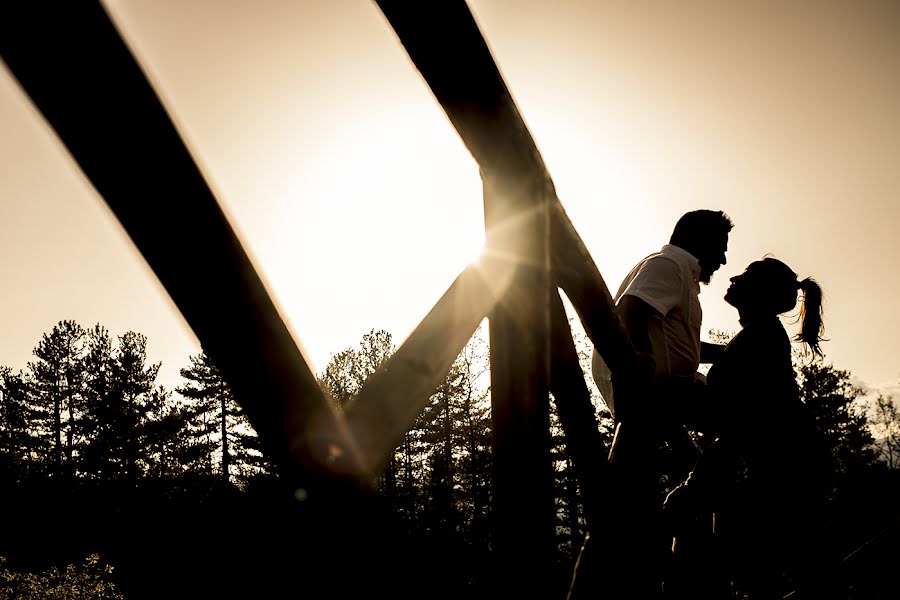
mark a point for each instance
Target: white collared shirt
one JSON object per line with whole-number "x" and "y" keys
{"x": 669, "y": 281}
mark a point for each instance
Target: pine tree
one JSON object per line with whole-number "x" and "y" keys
{"x": 15, "y": 439}
{"x": 455, "y": 484}
{"x": 136, "y": 381}
{"x": 344, "y": 376}
{"x": 101, "y": 425}
{"x": 439, "y": 477}
{"x": 570, "y": 528}
{"x": 167, "y": 447}
{"x": 57, "y": 394}
{"x": 474, "y": 452}
{"x": 221, "y": 440}
{"x": 120, "y": 390}
{"x": 347, "y": 371}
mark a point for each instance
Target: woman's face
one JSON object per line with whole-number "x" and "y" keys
{"x": 745, "y": 289}
{"x": 765, "y": 287}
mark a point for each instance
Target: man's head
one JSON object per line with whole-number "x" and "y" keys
{"x": 704, "y": 233}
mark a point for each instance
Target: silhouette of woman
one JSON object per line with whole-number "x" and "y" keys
{"x": 762, "y": 484}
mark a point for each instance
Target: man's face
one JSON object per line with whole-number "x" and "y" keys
{"x": 712, "y": 256}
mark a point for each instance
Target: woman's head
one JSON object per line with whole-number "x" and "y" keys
{"x": 768, "y": 287}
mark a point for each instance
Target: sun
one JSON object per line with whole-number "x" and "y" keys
{"x": 375, "y": 227}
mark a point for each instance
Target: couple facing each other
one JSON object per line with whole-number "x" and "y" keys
{"x": 749, "y": 404}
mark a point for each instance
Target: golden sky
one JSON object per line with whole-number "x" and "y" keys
{"x": 359, "y": 204}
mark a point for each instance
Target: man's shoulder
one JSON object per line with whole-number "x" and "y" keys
{"x": 659, "y": 266}
{"x": 678, "y": 254}
{"x": 659, "y": 280}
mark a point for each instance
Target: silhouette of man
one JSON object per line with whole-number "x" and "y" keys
{"x": 659, "y": 306}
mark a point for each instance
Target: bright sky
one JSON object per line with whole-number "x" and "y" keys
{"x": 359, "y": 204}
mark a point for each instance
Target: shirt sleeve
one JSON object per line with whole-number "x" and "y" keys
{"x": 659, "y": 283}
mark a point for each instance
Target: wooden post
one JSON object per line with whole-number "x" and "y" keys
{"x": 516, "y": 224}
{"x": 522, "y": 212}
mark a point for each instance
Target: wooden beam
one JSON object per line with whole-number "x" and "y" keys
{"x": 523, "y": 486}
{"x": 576, "y": 273}
{"x": 392, "y": 398}
{"x": 70, "y": 60}
{"x": 521, "y": 206}
{"x": 578, "y": 418}
{"x": 446, "y": 46}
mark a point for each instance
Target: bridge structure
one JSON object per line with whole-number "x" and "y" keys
{"x": 81, "y": 76}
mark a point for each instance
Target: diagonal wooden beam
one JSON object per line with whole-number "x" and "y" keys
{"x": 578, "y": 418}
{"x": 81, "y": 76}
{"x": 444, "y": 43}
{"x": 393, "y": 397}
{"x": 576, "y": 273}
{"x": 446, "y": 46}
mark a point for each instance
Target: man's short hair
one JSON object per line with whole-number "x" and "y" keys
{"x": 700, "y": 223}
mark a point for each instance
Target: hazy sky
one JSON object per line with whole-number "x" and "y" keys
{"x": 359, "y": 204}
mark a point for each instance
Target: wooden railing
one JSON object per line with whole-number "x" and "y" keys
{"x": 81, "y": 76}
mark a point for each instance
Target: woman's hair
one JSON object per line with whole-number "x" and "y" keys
{"x": 785, "y": 286}
{"x": 811, "y": 313}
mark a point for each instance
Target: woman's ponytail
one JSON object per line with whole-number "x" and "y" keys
{"x": 811, "y": 322}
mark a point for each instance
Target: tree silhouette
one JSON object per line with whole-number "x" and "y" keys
{"x": 216, "y": 426}
{"x": 886, "y": 421}
{"x": 120, "y": 401}
{"x": 832, "y": 397}
{"x": 15, "y": 437}
{"x": 57, "y": 395}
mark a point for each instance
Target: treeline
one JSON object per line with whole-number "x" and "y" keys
{"x": 96, "y": 458}
{"x": 439, "y": 477}
{"x": 88, "y": 409}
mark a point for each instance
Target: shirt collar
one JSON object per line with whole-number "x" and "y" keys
{"x": 683, "y": 255}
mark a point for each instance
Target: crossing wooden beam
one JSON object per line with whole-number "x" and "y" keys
{"x": 393, "y": 397}
{"x": 80, "y": 75}
{"x": 578, "y": 418}
{"x": 527, "y": 225}
{"x": 446, "y": 46}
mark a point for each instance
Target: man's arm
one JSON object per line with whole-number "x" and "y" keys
{"x": 710, "y": 352}
{"x": 636, "y": 315}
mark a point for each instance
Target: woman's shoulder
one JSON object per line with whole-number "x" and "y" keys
{"x": 759, "y": 349}
{"x": 767, "y": 335}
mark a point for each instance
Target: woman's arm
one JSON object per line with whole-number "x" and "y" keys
{"x": 709, "y": 352}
